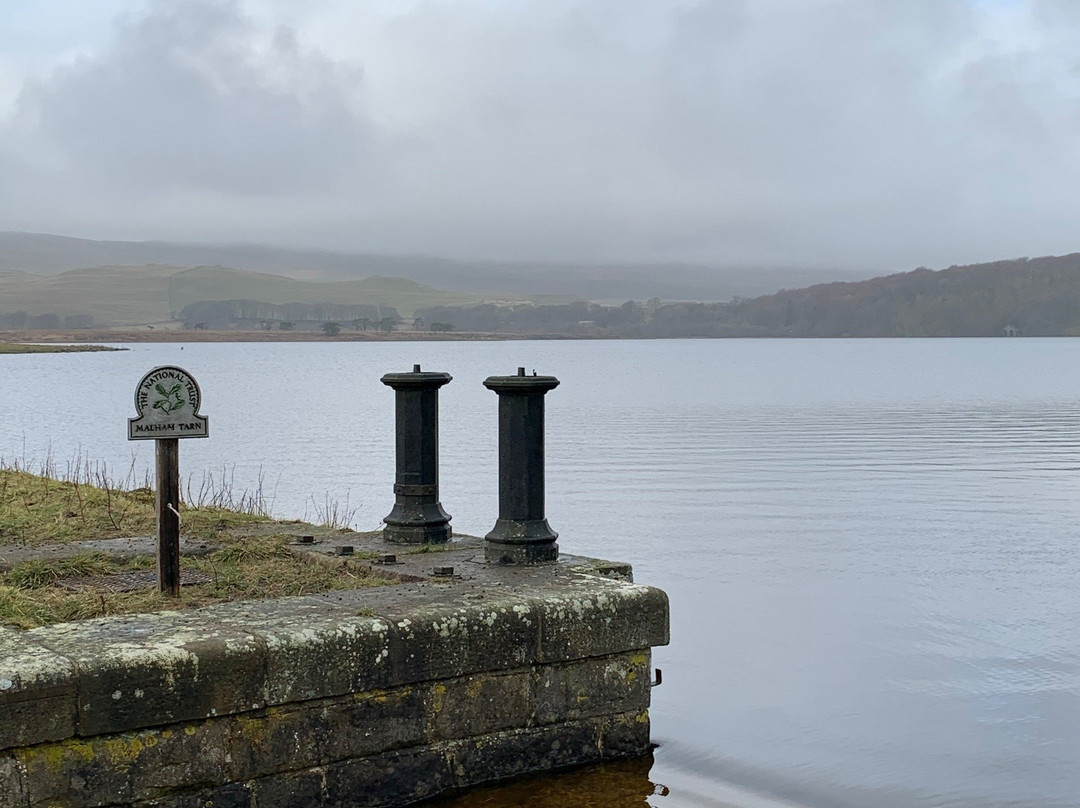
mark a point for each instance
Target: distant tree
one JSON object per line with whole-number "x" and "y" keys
{"x": 44, "y": 321}
{"x": 265, "y": 325}
{"x": 387, "y": 324}
{"x": 331, "y": 329}
{"x": 286, "y": 325}
{"x": 361, "y": 323}
{"x": 200, "y": 326}
{"x": 417, "y": 323}
{"x": 441, "y": 327}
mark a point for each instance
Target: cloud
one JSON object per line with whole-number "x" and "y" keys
{"x": 846, "y": 132}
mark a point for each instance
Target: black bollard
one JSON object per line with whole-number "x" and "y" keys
{"x": 522, "y": 534}
{"x": 418, "y": 516}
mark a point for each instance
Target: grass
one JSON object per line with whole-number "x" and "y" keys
{"x": 31, "y": 593}
{"x": 22, "y": 348}
{"x": 37, "y": 509}
{"x": 41, "y": 508}
{"x": 117, "y": 296}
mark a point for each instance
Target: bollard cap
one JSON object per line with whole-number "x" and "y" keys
{"x": 521, "y": 384}
{"x": 416, "y": 380}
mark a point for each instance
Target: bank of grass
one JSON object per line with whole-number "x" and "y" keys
{"x": 246, "y": 564}
{"x": 23, "y": 348}
{"x": 88, "y": 504}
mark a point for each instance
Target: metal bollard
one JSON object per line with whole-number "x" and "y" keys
{"x": 521, "y": 535}
{"x": 418, "y": 516}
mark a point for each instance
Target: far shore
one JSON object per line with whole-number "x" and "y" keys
{"x": 19, "y": 339}
{"x": 90, "y": 339}
{"x": 24, "y": 348}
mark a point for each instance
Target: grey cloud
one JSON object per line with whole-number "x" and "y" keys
{"x": 184, "y": 100}
{"x": 850, "y": 132}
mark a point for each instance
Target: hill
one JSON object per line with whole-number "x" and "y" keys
{"x": 153, "y": 294}
{"x": 1034, "y": 297}
{"x": 38, "y": 253}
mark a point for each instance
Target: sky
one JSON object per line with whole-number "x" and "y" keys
{"x": 862, "y": 134}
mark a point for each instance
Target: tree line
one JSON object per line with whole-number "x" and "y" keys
{"x": 1032, "y": 297}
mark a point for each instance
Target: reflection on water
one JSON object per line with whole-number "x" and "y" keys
{"x": 871, "y": 547}
{"x": 623, "y": 784}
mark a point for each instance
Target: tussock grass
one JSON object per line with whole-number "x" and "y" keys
{"x": 247, "y": 564}
{"x": 47, "y": 506}
{"x": 247, "y": 569}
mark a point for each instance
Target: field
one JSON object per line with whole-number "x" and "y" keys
{"x": 155, "y": 294}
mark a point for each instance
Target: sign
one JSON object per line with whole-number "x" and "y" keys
{"x": 167, "y": 400}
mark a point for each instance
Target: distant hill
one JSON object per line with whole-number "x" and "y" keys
{"x": 153, "y": 294}
{"x": 1033, "y": 297}
{"x": 47, "y": 254}
{"x": 1022, "y": 297}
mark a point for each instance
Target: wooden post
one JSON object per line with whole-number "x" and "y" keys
{"x": 168, "y": 515}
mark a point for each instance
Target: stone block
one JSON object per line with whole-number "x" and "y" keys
{"x": 37, "y": 692}
{"x": 434, "y": 642}
{"x": 392, "y": 779}
{"x": 155, "y": 669}
{"x": 625, "y": 735}
{"x": 304, "y": 789}
{"x": 230, "y": 795}
{"x": 12, "y": 784}
{"x": 591, "y": 687}
{"x": 128, "y": 767}
{"x": 314, "y": 733}
{"x": 478, "y": 705}
{"x": 314, "y": 649}
{"x": 598, "y": 617}
{"x": 327, "y": 659}
{"x": 515, "y": 752}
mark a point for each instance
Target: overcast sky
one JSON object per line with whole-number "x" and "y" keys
{"x": 880, "y": 134}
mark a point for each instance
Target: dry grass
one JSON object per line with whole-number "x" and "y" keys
{"x": 247, "y": 569}
{"x": 38, "y": 509}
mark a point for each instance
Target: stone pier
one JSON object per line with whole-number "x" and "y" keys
{"x": 461, "y": 672}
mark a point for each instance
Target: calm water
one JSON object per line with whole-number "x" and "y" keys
{"x": 871, "y": 547}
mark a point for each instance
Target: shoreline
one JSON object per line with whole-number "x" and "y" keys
{"x": 92, "y": 339}
{"x": 77, "y": 339}
{"x": 34, "y": 348}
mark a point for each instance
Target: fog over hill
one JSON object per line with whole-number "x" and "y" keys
{"x": 49, "y": 254}
{"x": 1020, "y": 297}
{"x": 160, "y": 294}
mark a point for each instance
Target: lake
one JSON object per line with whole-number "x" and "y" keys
{"x": 871, "y": 546}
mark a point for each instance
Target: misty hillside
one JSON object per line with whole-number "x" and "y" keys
{"x": 1036, "y": 297}
{"x": 46, "y": 254}
{"x": 137, "y": 295}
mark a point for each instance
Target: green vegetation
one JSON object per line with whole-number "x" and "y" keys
{"x": 109, "y": 295}
{"x": 139, "y": 295}
{"x": 39, "y": 509}
{"x": 1037, "y": 297}
{"x": 253, "y": 560}
{"x": 33, "y": 594}
{"x": 20, "y": 348}
{"x": 221, "y": 283}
